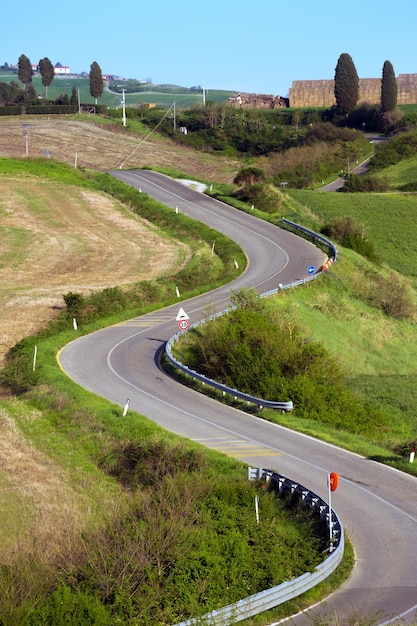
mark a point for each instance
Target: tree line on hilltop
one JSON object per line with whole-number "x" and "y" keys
{"x": 346, "y": 88}
{"x": 12, "y": 94}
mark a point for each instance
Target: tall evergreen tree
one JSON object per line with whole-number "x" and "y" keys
{"x": 388, "y": 88}
{"x": 24, "y": 70}
{"x": 346, "y": 84}
{"x": 96, "y": 81}
{"x": 74, "y": 97}
{"x": 47, "y": 72}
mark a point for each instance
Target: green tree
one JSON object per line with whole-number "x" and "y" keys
{"x": 47, "y": 72}
{"x": 388, "y": 88}
{"x": 74, "y": 97}
{"x": 24, "y": 70}
{"x": 10, "y": 93}
{"x": 96, "y": 81}
{"x": 248, "y": 176}
{"x": 346, "y": 84}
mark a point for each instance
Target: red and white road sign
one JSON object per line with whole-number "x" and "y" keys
{"x": 183, "y": 324}
{"x": 182, "y": 315}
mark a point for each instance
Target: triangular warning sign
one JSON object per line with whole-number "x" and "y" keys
{"x": 182, "y": 315}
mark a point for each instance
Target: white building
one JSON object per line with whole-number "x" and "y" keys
{"x": 61, "y": 69}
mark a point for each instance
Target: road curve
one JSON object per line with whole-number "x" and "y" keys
{"x": 377, "y": 505}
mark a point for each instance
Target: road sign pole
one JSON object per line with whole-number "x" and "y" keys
{"x": 330, "y": 514}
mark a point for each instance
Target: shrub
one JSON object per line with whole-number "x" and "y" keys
{"x": 248, "y": 176}
{"x": 355, "y": 183}
{"x": 398, "y": 149}
{"x": 148, "y": 463}
{"x": 264, "y": 197}
{"x": 366, "y": 117}
{"x": 261, "y": 351}
{"x": 20, "y": 373}
{"x": 66, "y": 607}
{"x": 391, "y": 295}
{"x": 350, "y": 234}
{"x": 74, "y": 302}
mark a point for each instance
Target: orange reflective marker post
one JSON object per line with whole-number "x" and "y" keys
{"x": 333, "y": 483}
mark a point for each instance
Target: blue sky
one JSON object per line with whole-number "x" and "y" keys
{"x": 257, "y": 47}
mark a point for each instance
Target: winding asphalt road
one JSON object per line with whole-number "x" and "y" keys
{"x": 377, "y": 505}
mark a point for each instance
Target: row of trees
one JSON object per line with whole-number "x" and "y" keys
{"x": 47, "y": 73}
{"x": 346, "y": 86}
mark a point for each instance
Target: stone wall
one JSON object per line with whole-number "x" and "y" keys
{"x": 320, "y": 93}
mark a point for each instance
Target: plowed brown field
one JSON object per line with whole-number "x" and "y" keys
{"x": 96, "y": 147}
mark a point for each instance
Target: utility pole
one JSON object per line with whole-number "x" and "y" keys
{"x": 124, "y": 107}
{"x": 26, "y": 135}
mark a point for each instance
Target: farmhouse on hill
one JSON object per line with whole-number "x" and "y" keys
{"x": 61, "y": 69}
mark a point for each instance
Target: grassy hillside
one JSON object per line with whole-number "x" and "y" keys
{"x": 81, "y": 489}
{"x": 377, "y": 352}
{"x": 62, "y": 441}
{"x": 387, "y": 219}
{"x": 400, "y": 174}
{"x": 65, "y": 84}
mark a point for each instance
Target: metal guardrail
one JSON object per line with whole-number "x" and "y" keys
{"x": 260, "y": 402}
{"x": 270, "y": 598}
{"x": 315, "y": 235}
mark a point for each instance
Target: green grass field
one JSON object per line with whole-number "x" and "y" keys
{"x": 65, "y": 84}
{"x": 388, "y": 220}
{"x": 400, "y": 174}
{"x": 81, "y": 433}
{"x": 79, "y": 486}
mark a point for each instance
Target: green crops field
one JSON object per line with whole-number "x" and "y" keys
{"x": 65, "y": 84}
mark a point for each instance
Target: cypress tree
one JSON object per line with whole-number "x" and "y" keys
{"x": 96, "y": 81}
{"x": 25, "y": 70}
{"x": 346, "y": 84}
{"x": 47, "y": 72}
{"x": 388, "y": 88}
{"x": 74, "y": 97}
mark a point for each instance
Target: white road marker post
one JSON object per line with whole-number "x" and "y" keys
{"x": 257, "y": 509}
{"x": 74, "y": 323}
{"x": 35, "y": 352}
{"x": 412, "y": 454}
{"x": 126, "y": 407}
